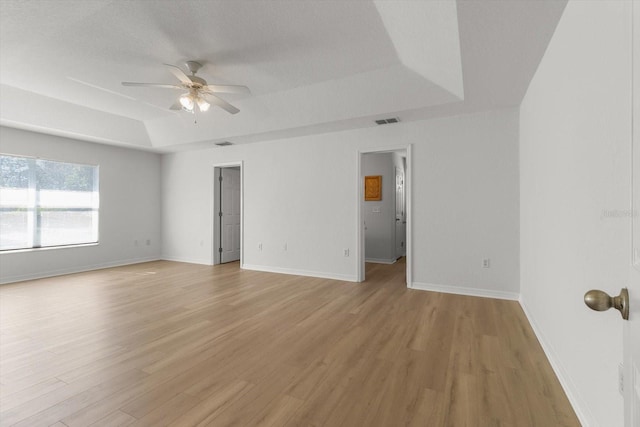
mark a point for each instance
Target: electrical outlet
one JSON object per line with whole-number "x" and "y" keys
{"x": 284, "y": 247}
{"x": 346, "y": 252}
{"x": 260, "y": 247}
{"x": 486, "y": 263}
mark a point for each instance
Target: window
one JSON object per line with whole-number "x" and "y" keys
{"x": 45, "y": 203}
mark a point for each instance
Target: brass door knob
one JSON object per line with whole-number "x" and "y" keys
{"x": 601, "y": 301}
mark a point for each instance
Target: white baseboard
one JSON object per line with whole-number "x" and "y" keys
{"x": 71, "y": 270}
{"x": 381, "y": 261}
{"x": 293, "y": 271}
{"x": 187, "y": 260}
{"x": 581, "y": 409}
{"x": 460, "y": 290}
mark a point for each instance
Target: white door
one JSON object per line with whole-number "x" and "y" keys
{"x": 401, "y": 221}
{"x": 632, "y": 327}
{"x": 230, "y": 214}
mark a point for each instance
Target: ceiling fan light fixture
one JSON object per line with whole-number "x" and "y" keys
{"x": 198, "y": 90}
{"x": 186, "y": 100}
{"x": 203, "y": 105}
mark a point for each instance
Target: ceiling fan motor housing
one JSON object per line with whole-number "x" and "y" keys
{"x": 198, "y": 82}
{"x": 199, "y": 94}
{"x": 193, "y": 66}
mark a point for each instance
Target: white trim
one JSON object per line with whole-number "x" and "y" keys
{"x": 61, "y": 272}
{"x": 49, "y": 248}
{"x": 360, "y": 267}
{"x": 380, "y": 260}
{"x": 360, "y": 255}
{"x": 579, "y": 406}
{"x": 296, "y": 272}
{"x": 215, "y": 255}
{"x": 461, "y": 290}
{"x": 408, "y": 188}
{"x": 187, "y": 260}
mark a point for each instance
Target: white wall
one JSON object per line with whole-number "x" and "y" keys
{"x": 379, "y": 215}
{"x": 574, "y": 166}
{"x": 303, "y": 192}
{"x": 129, "y": 207}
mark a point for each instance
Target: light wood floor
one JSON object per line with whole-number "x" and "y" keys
{"x": 167, "y": 343}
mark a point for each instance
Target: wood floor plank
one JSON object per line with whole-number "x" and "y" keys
{"x": 204, "y": 413}
{"x": 279, "y": 413}
{"x": 114, "y": 419}
{"x": 54, "y": 406}
{"x": 248, "y": 407}
{"x": 20, "y": 397}
{"x": 167, "y": 343}
{"x": 169, "y": 411}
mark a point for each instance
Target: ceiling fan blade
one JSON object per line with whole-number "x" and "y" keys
{"x": 176, "y": 106}
{"x": 220, "y": 103}
{"x": 176, "y": 71}
{"x": 228, "y": 88}
{"x": 152, "y": 85}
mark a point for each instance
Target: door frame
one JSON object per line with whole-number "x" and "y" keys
{"x": 360, "y": 252}
{"x": 630, "y": 345}
{"x": 215, "y": 208}
{"x": 403, "y": 247}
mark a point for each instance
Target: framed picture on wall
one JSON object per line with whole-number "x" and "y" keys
{"x": 372, "y": 188}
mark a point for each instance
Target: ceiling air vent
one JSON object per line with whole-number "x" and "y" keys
{"x": 387, "y": 121}
{"x": 224, "y": 143}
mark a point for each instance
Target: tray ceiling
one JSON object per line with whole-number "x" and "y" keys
{"x": 312, "y": 66}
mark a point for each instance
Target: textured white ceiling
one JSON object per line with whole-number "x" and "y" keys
{"x": 312, "y": 66}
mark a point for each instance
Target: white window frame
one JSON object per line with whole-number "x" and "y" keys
{"x": 34, "y": 212}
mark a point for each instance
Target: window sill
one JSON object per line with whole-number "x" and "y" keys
{"x": 49, "y": 248}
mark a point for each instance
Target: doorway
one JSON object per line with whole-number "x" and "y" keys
{"x": 384, "y": 225}
{"x": 227, "y": 213}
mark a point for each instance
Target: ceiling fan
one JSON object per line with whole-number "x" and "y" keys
{"x": 199, "y": 95}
